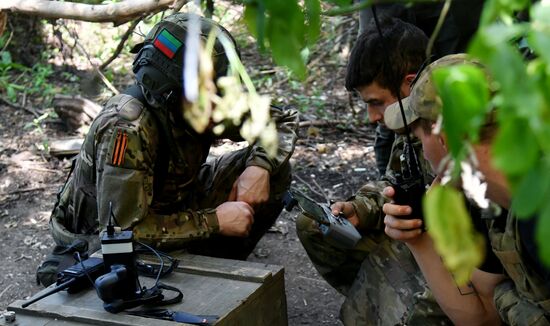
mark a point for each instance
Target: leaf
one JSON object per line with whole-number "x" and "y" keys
{"x": 313, "y": 15}
{"x": 451, "y": 228}
{"x": 464, "y": 93}
{"x": 538, "y": 120}
{"x": 12, "y": 93}
{"x": 539, "y": 36}
{"x": 498, "y": 54}
{"x": 254, "y": 17}
{"x": 340, "y": 2}
{"x": 282, "y": 23}
{"x": 6, "y": 57}
{"x": 286, "y": 47}
{"x": 515, "y": 149}
{"x": 495, "y": 9}
{"x": 542, "y": 235}
{"x": 533, "y": 189}
{"x": 490, "y": 12}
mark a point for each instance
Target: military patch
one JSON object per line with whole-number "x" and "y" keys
{"x": 167, "y": 43}
{"x": 119, "y": 151}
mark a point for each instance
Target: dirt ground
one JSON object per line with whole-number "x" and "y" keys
{"x": 330, "y": 162}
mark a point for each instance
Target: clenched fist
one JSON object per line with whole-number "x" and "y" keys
{"x": 235, "y": 218}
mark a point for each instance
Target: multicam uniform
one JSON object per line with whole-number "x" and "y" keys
{"x": 524, "y": 299}
{"x": 379, "y": 277}
{"x": 163, "y": 188}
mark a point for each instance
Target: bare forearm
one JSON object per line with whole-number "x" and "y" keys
{"x": 464, "y": 305}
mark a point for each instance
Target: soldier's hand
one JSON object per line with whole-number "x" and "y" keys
{"x": 345, "y": 208}
{"x": 397, "y": 227}
{"x": 235, "y": 218}
{"x": 252, "y": 186}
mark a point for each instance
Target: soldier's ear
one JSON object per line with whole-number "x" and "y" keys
{"x": 409, "y": 79}
{"x": 442, "y": 139}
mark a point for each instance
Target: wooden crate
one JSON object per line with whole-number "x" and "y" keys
{"x": 240, "y": 292}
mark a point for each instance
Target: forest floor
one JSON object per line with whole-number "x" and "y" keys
{"x": 333, "y": 158}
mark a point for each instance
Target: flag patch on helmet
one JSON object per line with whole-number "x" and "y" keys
{"x": 167, "y": 43}
{"x": 119, "y": 151}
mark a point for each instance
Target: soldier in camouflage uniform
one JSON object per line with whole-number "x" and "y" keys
{"x": 379, "y": 277}
{"x": 459, "y": 26}
{"x": 523, "y": 298}
{"x": 141, "y": 158}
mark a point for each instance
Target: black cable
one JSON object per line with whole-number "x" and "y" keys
{"x": 160, "y": 259}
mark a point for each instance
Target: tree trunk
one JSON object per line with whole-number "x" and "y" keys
{"x": 118, "y": 13}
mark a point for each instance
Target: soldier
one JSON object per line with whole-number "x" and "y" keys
{"x": 142, "y": 158}
{"x": 524, "y": 298}
{"x": 379, "y": 277}
{"x": 458, "y": 27}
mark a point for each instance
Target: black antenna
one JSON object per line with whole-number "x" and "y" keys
{"x": 409, "y": 148}
{"x": 110, "y": 226}
{"x": 397, "y": 88}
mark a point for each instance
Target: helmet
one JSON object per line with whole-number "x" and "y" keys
{"x": 158, "y": 65}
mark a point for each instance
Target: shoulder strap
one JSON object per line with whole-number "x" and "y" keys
{"x": 163, "y": 151}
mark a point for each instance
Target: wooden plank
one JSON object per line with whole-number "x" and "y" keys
{"x": 218, "y": 267}
{"x": 228, "y": 269}
{"x": 66, "y": 147}
{"x": 81, "y": 315}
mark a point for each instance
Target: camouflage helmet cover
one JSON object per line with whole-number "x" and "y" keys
{"x": 163, "y": 49}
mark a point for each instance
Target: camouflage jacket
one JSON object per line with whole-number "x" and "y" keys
{"x": 368, "y": 201}
{"x": 125, "y": 160}
{"x": 525, "y": 298}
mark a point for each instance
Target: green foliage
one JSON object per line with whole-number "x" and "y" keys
{"x": 543, "y": 234}
{"x": 514, "y": 140}
{"x": 533, "y": 190}
{"x": 37, "y": 122}
{"x": 501, "y": 9}
{"x": 286, "y": 28}
{"x": 522, "y": 100}
{"x": 453, "y": 234}
{"x": 16, "y": 79}
{"x": 465, "y": 92}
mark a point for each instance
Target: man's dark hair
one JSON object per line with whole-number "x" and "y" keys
{"x": 386, "y": 61}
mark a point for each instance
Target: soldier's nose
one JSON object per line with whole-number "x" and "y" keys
{"x": 374, "y": 116}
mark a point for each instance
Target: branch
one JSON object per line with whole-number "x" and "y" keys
{"x": 83, "y": 50}
{"x": 320, "y": 194}
{"x": 117, "y": 13}
{"x": 320, "y": 123}
{"x": 120, "y": 44}
{"x": 437, "y": 28}
{"x": 19, "y": 191}
{"x": 15, "y": 106}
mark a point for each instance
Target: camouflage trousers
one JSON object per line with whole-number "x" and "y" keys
{"x": 217, "y": 176}
{"x": 382, "y": 283}
{"x": 517, "y": 310}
